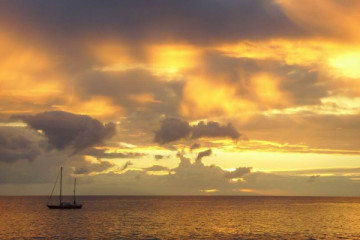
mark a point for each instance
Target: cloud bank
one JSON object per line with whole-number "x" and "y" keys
{"x": 15, "y": 146}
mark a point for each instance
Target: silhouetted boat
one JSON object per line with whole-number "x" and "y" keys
{"x": 63, "y": 205}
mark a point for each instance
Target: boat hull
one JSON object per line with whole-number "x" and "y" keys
{"x": 72, "y": 206}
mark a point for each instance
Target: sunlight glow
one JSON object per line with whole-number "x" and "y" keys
{"x": 144, "y": 98}
{"x": 209, "y": 190}
{"x": 247, "y": 190}
{"x": 172, "y": 58}
{"x": 13, "y": 124}
{"x": 100, "y": 107}
{"x": 346, "y": 65}
{"x": 267, "y": 90}
{"x": 112, "y": 56}
{"x": 334, "y": 105}
{"x": 157, "y": 173}
{"x": 293, "y": 52}
{"x": 204, "y": 98}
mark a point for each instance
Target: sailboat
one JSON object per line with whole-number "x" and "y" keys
{"x": 63, "y": 205}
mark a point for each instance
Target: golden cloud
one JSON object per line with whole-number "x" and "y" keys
{"x": 28, "y": 77}
{"x": 327, "y": 17}
{"x": 167, "y": 60}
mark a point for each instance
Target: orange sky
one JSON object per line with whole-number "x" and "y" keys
{"x": 174, "y": 97}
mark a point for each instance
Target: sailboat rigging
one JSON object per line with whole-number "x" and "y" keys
{"x": 63, "y": 205}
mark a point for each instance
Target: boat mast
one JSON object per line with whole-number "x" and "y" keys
{"x": 60, "y": 183}
{"x": 74, "y": 190}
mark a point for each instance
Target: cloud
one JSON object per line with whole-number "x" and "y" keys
{"x": 42, "y": 170}
{"x": 213, "y": 130}
{"x": 173, "y": 129}
{"x": 313, "y": 178}
{"x": 311, "y": 130}
{"x": 191, "y": 60}
{"x": 195, "y": 146}
{"x": 194, "y": 176}
{"x": 94, "y": 167}
{"x": 202, "y": 154}
{"x": 15, "y": 146}
{"x": 157, "y": 168}
{"x": 239, "y": 172}
{"x": 65, "y": 129}
{"x": 322, "y": 171}
{"x": 196, "y": 22}
{"x": 184, "y": 161}
{"x": 101, "y": 153}
{"x": 158, "y": 157}
{"x": 188, "y": 178}
{"x": 248, "y": 83}
{"x": 137, "y": 90}
{"x": 327, "y": 11}
{"x": 126, "y": 165}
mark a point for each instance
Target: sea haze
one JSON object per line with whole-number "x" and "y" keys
{"x": 183, "y": 217}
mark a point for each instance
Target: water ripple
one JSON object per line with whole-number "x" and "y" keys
{"x": 183, "y": 218}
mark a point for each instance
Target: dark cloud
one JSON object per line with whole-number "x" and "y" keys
{"x": 126, "y": 165}
{"x": 101, "y": 153}
{"x": 239, "y": 172}
{"x": 195, "y": 176}
{"x": 313, "y": 178}
{"x": 156, "y": 168}
{"x": 173, "y": 129}
{"x": 213, "y": 130}
{"x": 195, "y": 146}
{"x": 158, "y": 157}
{"x": 65, "y": 129}
{"x": 124, "y": 86}
{"x": 202, "y": 154}
{"x": 93, "y": 167}
{"x": 14, "y": 146}
{"x": 200, "y": 22}
{"x": 184, "y": 161}
{"x": 304, "y": 85}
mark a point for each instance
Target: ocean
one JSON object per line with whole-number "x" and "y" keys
{"x": 183, "y": 217}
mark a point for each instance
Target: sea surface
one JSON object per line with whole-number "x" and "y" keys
{"x": 185, "y": 217}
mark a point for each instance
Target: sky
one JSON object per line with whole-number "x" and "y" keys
{"x": 236, "y": 97}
